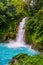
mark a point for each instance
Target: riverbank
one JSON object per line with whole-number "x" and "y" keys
{"x": 25, "y": 59}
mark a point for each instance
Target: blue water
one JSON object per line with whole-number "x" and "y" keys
{"x": 7, "y": 53}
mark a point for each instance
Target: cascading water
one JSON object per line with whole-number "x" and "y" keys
{"x": 20, "y": 36}
{"x": 21, "y": 30}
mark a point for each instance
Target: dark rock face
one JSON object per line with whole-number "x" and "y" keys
{"x": 4, "y": 38}
{"x": 7, "y": 36}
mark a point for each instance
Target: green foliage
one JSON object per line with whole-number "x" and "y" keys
{"x": 33, "y": 6}
{"x": 11, "y": 13}
{"x": 34, "y": 30}
{"x": 24, "y": 59}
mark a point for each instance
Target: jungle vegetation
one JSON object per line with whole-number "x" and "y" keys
{"x": 11, "y": 13}
{"x": 24, "y": 59}
{"x": 34, "y": 25}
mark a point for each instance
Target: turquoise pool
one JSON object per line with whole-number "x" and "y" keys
{"x": 7, "y": 53}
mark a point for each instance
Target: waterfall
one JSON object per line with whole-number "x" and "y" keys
{"x": 20, "y": 36}
{"x": 21, "y": 30}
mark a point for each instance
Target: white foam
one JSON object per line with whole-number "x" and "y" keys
{"x": 19, "y": 37}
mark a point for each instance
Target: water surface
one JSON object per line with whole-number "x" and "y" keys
{"x": 7, "y": 53}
